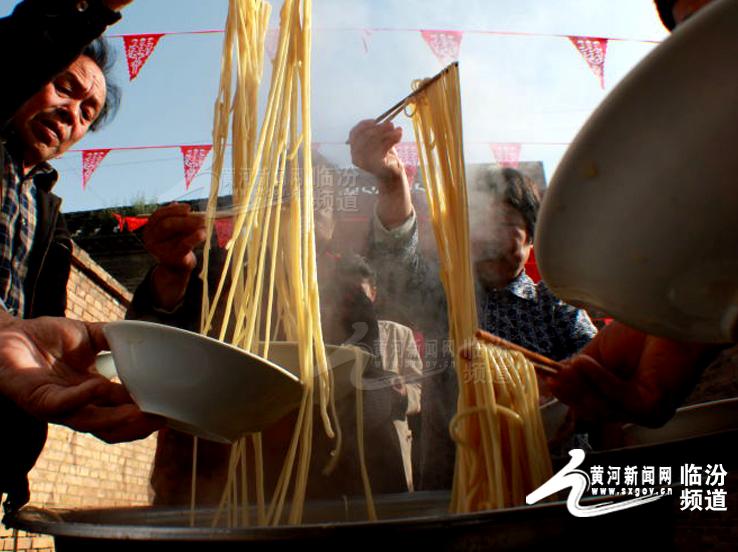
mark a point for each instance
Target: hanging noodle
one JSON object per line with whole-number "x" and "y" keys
{"x": 501, "y": 452}
{"x": 274, "y": 237}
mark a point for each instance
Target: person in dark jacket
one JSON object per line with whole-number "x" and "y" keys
{"x": 57, "y": 94}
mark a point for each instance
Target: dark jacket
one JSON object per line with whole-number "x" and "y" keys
{"x": 46, "y": 292}
{"x": 44, "y": 36}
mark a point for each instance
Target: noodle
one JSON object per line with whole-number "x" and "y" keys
{"x": 274, "y": 236}
{"x": 273, "y": 232}
{"x": 501, "y": 452}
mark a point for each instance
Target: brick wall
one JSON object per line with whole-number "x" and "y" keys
{"x": 75, "y": 469}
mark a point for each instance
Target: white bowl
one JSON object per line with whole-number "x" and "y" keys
{"x": 202, "y": 386}
{"x": 640, "y": 217}
{"x": 689, "y": 422}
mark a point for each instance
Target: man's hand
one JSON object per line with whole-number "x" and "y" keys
{"x": 47, "y": 368}
{"x": 170, "y": 236}
{"x": 372, "y": 149}
{"x": 626, "y": 375}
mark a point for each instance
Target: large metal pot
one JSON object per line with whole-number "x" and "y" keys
{"x": 421, "y": 519}
{"x": 408, "y": 522}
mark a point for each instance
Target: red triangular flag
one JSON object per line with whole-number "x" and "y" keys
{"x": 193, "y": 157}
{"x": 408, "y": 154}
{"x": 223, "y": 230}
{"x": 90, "y": 161}
{"x": 594, "y": 51}
{"x": 138, "y": 49}
{"x": 444, "y": 44}
{"x": 134, "y": 223}
{"x": 272, "y": 43}
{"x": 507, "y": 155}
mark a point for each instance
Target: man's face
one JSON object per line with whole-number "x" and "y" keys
{"x": 501, "y": 246}
{"x": 683, "y": 9}
{"x": 61, "y": 113}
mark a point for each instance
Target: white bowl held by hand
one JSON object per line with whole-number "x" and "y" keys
{"x": 640, "y": 217}
{"x": 202, "y": 386}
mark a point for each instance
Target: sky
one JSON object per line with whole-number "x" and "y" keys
{"x": 530, "y": 88}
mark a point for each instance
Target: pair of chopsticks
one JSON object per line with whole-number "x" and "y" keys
{"x": 540, "y": 362}
{"x": 395, "y": 110}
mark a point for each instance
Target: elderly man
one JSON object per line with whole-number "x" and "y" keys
{"x": 57, "y": 94}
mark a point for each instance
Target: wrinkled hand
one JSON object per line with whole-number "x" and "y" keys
{"x": 372, "y": 149}
{"x": 47, "y": 368}
{"x": 626, "y": 375}
{"x": 171, "y": 236}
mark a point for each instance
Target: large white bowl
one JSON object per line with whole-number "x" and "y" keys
{"x": 689, "y": 422}
{"x": 640, "y": 217}
{"x": 199, "y": 384}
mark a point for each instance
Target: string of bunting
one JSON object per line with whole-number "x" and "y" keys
{"x": 193, "y": 158}
{"x": 506, "y": 154}
{"x": 445, "y": 44}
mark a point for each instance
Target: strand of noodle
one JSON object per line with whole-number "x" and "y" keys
{"x": 493, "y": 456}
{"x": 223, "y": 504}
{"x": 220, "y": 126}
{"x": 244, "y": 485}
{"x": 259, "y": 468}
{"x": 370, "y": 508}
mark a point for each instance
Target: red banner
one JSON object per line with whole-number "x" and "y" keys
{"x": 91, "y": 159}
{"x": 594, "y": 51}
{"x": 507, "y": 155}
{"x": 134, "y": 223}
{"x": 193, "y": 157}
{"x": 223, "y": 230}
{"x": 138, "y": 49}
{"x": 408, "y": 154}
{"x": 130, "y": 223}
{"x": 444, "y": 44}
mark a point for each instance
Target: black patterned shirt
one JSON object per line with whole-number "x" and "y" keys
{"x": 530, "y": 315}
{"x": 17, "y": 229}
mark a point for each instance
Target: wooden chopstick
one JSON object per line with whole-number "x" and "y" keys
{"x": 538, "y": 360}
{"x": 393, "y": 111}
